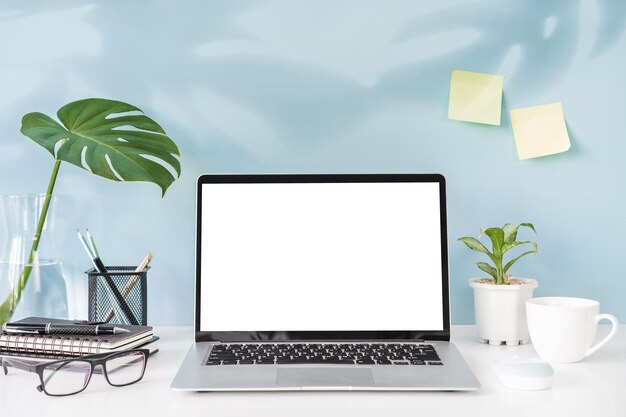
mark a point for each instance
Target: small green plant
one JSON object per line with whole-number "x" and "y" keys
{"x": 109, "y": 138}
{"x": 502, "y": 240}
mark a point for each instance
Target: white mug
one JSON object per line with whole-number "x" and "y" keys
{"x": 562, "y": 329}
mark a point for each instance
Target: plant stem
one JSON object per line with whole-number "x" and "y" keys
{"x": 499, "y": 273}
{"x": 8, "y": 306}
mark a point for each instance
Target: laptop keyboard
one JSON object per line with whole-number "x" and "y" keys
{"x": 323, "y": 353}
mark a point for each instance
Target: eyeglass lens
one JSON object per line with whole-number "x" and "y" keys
{"x": 125, "y": 368}
{"x": 66, "y": 377}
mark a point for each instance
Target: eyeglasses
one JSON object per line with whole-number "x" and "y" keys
{"x": 71, "y": 376}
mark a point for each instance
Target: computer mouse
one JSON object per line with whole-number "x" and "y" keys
{"x": 527, "y": 376}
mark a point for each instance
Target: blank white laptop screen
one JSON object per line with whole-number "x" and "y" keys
{"x": 321, "y": 257}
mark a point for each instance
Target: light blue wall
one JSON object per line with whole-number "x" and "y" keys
{"x": 331, "y": 86}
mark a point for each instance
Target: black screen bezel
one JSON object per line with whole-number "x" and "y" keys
{"x": 258, "y": 335}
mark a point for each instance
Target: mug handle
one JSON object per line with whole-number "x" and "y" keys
{"x": 614, "y": 323}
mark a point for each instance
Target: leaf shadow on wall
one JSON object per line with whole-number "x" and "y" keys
{"x": 296, "y": 106}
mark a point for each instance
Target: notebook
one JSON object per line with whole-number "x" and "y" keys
{"x": 74, "y": 345}
{"x": 151, "y": 345}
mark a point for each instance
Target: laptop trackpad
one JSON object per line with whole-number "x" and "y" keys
{"x": 324, "y": 376}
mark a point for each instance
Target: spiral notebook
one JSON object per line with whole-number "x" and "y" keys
{"x": 74, "y": 345}
{"x": 151, "y": 345}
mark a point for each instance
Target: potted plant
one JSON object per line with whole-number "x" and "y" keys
{"x": 500, "y": 301}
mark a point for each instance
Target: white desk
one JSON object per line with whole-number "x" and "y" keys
{"x": 595, "y": 387}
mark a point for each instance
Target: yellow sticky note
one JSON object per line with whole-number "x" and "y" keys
{"x": 539, "y": 131}
{"x": 475, "y": 97}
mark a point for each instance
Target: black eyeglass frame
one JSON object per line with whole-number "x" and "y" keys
{"x": 93, "y": 360}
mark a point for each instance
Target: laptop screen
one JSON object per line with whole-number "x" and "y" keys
{"x": 320, "y": 256}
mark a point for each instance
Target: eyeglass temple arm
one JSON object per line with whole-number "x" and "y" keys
{"x": 17, "y": 364}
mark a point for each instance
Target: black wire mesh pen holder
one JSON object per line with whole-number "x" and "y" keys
{"x": 131, "y": 285}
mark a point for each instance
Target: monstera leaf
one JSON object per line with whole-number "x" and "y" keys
{"x": 104, "y": 137}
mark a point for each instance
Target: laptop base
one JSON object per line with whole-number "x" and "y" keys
{"x": 454, "y": 375}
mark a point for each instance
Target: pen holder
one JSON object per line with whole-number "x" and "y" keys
{"x": 117, "y": 294}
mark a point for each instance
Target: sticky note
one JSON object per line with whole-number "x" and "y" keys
{"x": 539, "y": 131}
{"x": 475, "y": 97}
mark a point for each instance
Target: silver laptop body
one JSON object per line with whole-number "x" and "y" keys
{"x": 312, "y": 263}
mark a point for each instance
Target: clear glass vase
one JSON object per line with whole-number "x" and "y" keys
{"x": 34, "y": 288}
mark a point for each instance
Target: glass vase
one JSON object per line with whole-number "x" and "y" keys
{"x": 35, "y": 288}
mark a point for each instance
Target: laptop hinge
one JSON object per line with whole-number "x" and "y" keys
{"x": 321, "y": 341}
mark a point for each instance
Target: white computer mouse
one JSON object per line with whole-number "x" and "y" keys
{"x": 527, "y": 376}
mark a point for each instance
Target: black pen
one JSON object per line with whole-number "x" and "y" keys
{"x": 51, "y": 328}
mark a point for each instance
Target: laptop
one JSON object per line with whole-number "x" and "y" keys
{"x": 322, "y": 282}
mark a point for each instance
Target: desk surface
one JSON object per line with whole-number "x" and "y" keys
{"x": 595, "y": 387}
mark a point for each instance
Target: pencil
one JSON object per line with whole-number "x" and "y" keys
{"x": 92, "y": 243}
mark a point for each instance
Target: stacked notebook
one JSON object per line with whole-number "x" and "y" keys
{"x": 55, "y": 346}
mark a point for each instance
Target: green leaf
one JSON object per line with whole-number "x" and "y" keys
{"x": 497, "y": 239}
{"x": 116, "y": 145}
{"x": 508, "y": 246}
{"x": 510, "y": 231}
{"x": 474, "y": 244}
{"x": 512, "y": 261}
{"x": 488, "y": 269}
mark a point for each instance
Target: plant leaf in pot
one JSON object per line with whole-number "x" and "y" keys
{"x": 500, "y": 300}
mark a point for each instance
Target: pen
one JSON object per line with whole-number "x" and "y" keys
{"x": 131, "y": 284}
{"x": 85, "y": 246}
{"x": 91, "y": 251}
{"x": 51, "y": 328}
{"x": 121, "y": 307}
{"x": 144, "y": 263}
{"x": 92, "y": 244}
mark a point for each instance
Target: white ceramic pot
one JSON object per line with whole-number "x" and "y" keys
{"x": 501, "y": 311}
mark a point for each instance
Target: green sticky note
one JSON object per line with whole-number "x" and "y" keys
{"x": 475, "y": 97}
{"x": 539, "y": 130}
